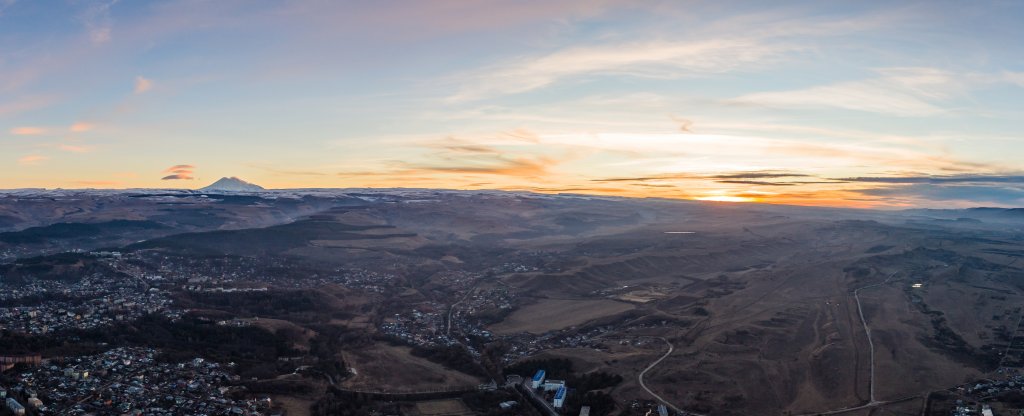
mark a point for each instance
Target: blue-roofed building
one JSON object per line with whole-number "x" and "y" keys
{"x": 538, "y": 378}
{"x": 559, "y": 397}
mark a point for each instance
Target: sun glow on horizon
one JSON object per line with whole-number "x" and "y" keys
{"x": 726, "y": 198}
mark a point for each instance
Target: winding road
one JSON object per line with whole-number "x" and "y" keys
{"x": 640, "y": 378}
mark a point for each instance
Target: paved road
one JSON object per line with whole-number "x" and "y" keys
{"x": 640, "y": 378}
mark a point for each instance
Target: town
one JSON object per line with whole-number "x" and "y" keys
{"x": 127, "y": 381}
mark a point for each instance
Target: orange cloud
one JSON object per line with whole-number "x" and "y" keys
{"x": 28, "y": 131}
{"x": 31, "y": 159}
{"x": 179, "y": 172}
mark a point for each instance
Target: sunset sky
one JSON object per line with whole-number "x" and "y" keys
{"x": 860, "y": 103}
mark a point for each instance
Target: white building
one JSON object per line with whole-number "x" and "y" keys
{"x": 552, "y": 385}
{"x": 559, "y": 398}
{"x": 538, "y": 379}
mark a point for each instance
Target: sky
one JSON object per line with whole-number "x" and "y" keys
{"x": 873, "y": 104}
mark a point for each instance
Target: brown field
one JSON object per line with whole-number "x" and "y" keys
{"x": 303, "y": 335}
{"x": 293, "y": 406}
{"x": 552, "y": 314}
{"x": 445, "y": 407}
{"x": 393, "y": 369}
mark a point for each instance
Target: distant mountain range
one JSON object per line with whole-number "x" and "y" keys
{"x": 232, "y": 184}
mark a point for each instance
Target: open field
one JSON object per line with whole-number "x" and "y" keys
{"x": 292, "y": 405}
{"x": 446, "y": 407}
{"x": 390, "y": 368}
{"x": 553, "y": 314}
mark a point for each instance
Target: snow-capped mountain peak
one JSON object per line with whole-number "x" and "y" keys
{"x": 232, "y": 184}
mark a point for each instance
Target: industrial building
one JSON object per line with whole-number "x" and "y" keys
{"x": 538, "y": 379}
{"x": 559, "y": 397}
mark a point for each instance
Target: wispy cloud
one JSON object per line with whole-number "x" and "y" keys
{"x": 976, "y": 178}
{"x": 142, "y": 85}
{"x": 97, "y": 20}
{"x": 662, "y": 59}
{"x": 31, "y": 159}
{"x": 745, "y": 177}
{"x": 74, "y": 148}
{"x": 522, "y": 167}
{"x": 179, "y": 172}
{"x": 762, "y": 183}
{"x": 951, "y": 195}
{"x": 24, "y": 103}
{"x": 757, "y": 175}
{"x": 898, "y": 91}
{"x": 28, "y": 131}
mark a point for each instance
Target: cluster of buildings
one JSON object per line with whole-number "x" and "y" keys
{"x": 513, "y": 268}
{"x": 93, "y": 302}
{"x": 484, "y": 301}
{"x": 426, "y": 325}
{"x": 240, "y": 273}
{"x": 423, "y": 326}
{"x": 9, "y": 254}
{"x": 525, "y": 344}
{"x": 975, "y": 398}
{"x": 364, "y": 280}
{"x": 984, "y": 410}
{"x": 541, "y": 383}
{"x": 456, "y": 280}
{"x": 128, "y": 381}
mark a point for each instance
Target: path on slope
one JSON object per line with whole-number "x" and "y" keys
{"x": 867, "y": 331}
{"x": 640, "y": 378}
{"x": 871, "y": 348}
